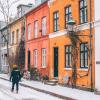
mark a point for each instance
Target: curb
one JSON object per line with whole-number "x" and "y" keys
{"x": 43, "y": 91}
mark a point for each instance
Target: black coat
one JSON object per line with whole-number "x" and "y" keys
{"x": 15, "y": 76}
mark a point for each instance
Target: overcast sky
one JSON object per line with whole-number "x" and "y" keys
{"x": 14, "y": 7}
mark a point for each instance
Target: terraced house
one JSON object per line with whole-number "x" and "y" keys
{"x": 37, "y": 40}
{"x": 72, "y": 18}
{"x": 14, "y": 36}
{"x": 3, "y": 49}
{"x": 17, "y": 30}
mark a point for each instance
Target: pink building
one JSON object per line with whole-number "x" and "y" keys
{"x": 37, "y": 40}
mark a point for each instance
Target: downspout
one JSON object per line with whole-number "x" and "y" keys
{"x": 91, "y": 69}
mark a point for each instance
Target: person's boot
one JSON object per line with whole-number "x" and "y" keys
{"x": 17, "y": 92}
{"x": 12, "y": 90}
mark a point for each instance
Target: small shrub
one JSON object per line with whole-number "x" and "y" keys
{"x": 45, "y": 77}
{"x": 35, "y": 74}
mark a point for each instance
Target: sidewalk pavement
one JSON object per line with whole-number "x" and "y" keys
{"x": 58, "y": 91}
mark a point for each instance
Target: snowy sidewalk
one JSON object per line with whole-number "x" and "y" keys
{"x": 59, "y": 90}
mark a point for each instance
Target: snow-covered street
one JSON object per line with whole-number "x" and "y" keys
{"x": 24, "y": 93}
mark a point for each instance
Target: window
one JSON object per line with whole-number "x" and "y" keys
{"x": 19, "y": 12}
{"x": 43, "y": 58}
{"x": 9, "y": 39}
{"x": 56, "y": 18}
{"x": 13, "y": 37}
{"x": 68, "y": 56}
{"x": 35, "y": 29}
{"x": 3, "y": 41}
{"x": 29, "y": 31}
{"x": 44, "y": 26}
{"x": 83, "y": 11}
{"x": 68, "y": 14}
{"x": 84, "y": 55}
{"x": 35, "y": 58}
{"x": 17, "y": 36}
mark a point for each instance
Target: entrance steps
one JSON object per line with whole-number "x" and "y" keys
{"x": 52, "y": 82}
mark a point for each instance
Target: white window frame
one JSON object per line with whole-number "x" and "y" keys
{"x": 13, "y": 33}
{"x": 19, "y": 35}
{"x": 36, "y": 29}
{"x": 43, "y": 58}
{"x": 44, "y": 26}
{"x": 29, "y": 31}
{"x": 35, "y": 58}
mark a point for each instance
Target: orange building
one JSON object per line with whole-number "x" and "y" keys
{"x": 37, "y": 40}
{"x": 61, "y": 12}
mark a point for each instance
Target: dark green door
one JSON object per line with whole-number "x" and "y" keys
{"x": 56, "y": 62}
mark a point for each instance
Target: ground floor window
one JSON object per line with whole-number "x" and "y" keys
{"x": 35, "y": 58}
{"x": 84, "y": 55}
{"x": 43, "y": 58}
{"x": 68, "y": 56}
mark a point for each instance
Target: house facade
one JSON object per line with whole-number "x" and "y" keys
{"x": 37, "y": 40}
{"x": 17, "y": 33}
{"x": 3, "y": 49}
{"x": 61, "y": 12}
{"x": 2, "y": 24}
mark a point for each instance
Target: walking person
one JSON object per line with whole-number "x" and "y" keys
{"x": 15, "y": 78}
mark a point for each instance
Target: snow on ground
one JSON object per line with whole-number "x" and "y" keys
{"x": 68, "y": 92}
{"x": 24, "y": 93}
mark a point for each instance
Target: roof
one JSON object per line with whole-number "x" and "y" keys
{"x": 28, "y": 11}
{"x": 29, "y": 5}
{"x": 36, "y": 6}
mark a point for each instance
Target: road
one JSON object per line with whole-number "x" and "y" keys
{"x": 24, "y": 93}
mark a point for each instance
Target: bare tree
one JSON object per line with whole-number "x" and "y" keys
{"x": 75, "y": 39}
{"x": 5, "y": 9}
{"x": 20, "y": 55}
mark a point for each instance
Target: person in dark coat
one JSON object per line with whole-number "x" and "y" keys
{"x": 15, "y": 78}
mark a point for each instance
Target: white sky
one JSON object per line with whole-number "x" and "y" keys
{"x": 14, "y": 7}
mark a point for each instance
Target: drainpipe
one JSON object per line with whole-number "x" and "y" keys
{"x": 91, "y": 69}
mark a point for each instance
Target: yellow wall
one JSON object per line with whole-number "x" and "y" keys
{"x": 17, "y": 25}
{"x": 61, "y": 41}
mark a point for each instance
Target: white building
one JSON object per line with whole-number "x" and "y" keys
{"x": 3, "y": 50}
{"x": 97, "y": 44}
{"x": 22, "y": 9}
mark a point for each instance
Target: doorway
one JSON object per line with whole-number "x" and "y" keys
{"x": 28, "y": 60}
{"x": 56, "y": 62}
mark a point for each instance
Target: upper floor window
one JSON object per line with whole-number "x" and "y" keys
{"x": 83, "y": 11}
{"x": 3, "y": 41}
{"x": 68, "y": 56}
{"x": 13, "y": 37}
{"x": 44, "y": 26}
{"x": 17, "y": 36}
{"x": 35, "y": 29}
{"x": 68, "y": 14}
{"x": 29, "y": 31}
{"x": 84, "y": 55}
{"x": 56, "y": 19}
{"x": 43, "y": 58}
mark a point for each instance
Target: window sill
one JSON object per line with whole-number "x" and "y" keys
{"x": 67, "y": 68}
{"x": 83, "y": 69}
{"x": 43, "y": 67}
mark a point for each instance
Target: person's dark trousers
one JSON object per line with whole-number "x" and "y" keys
{"x": 17, "y": 86}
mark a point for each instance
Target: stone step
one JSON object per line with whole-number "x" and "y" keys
{"x": 53, "y": 81}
